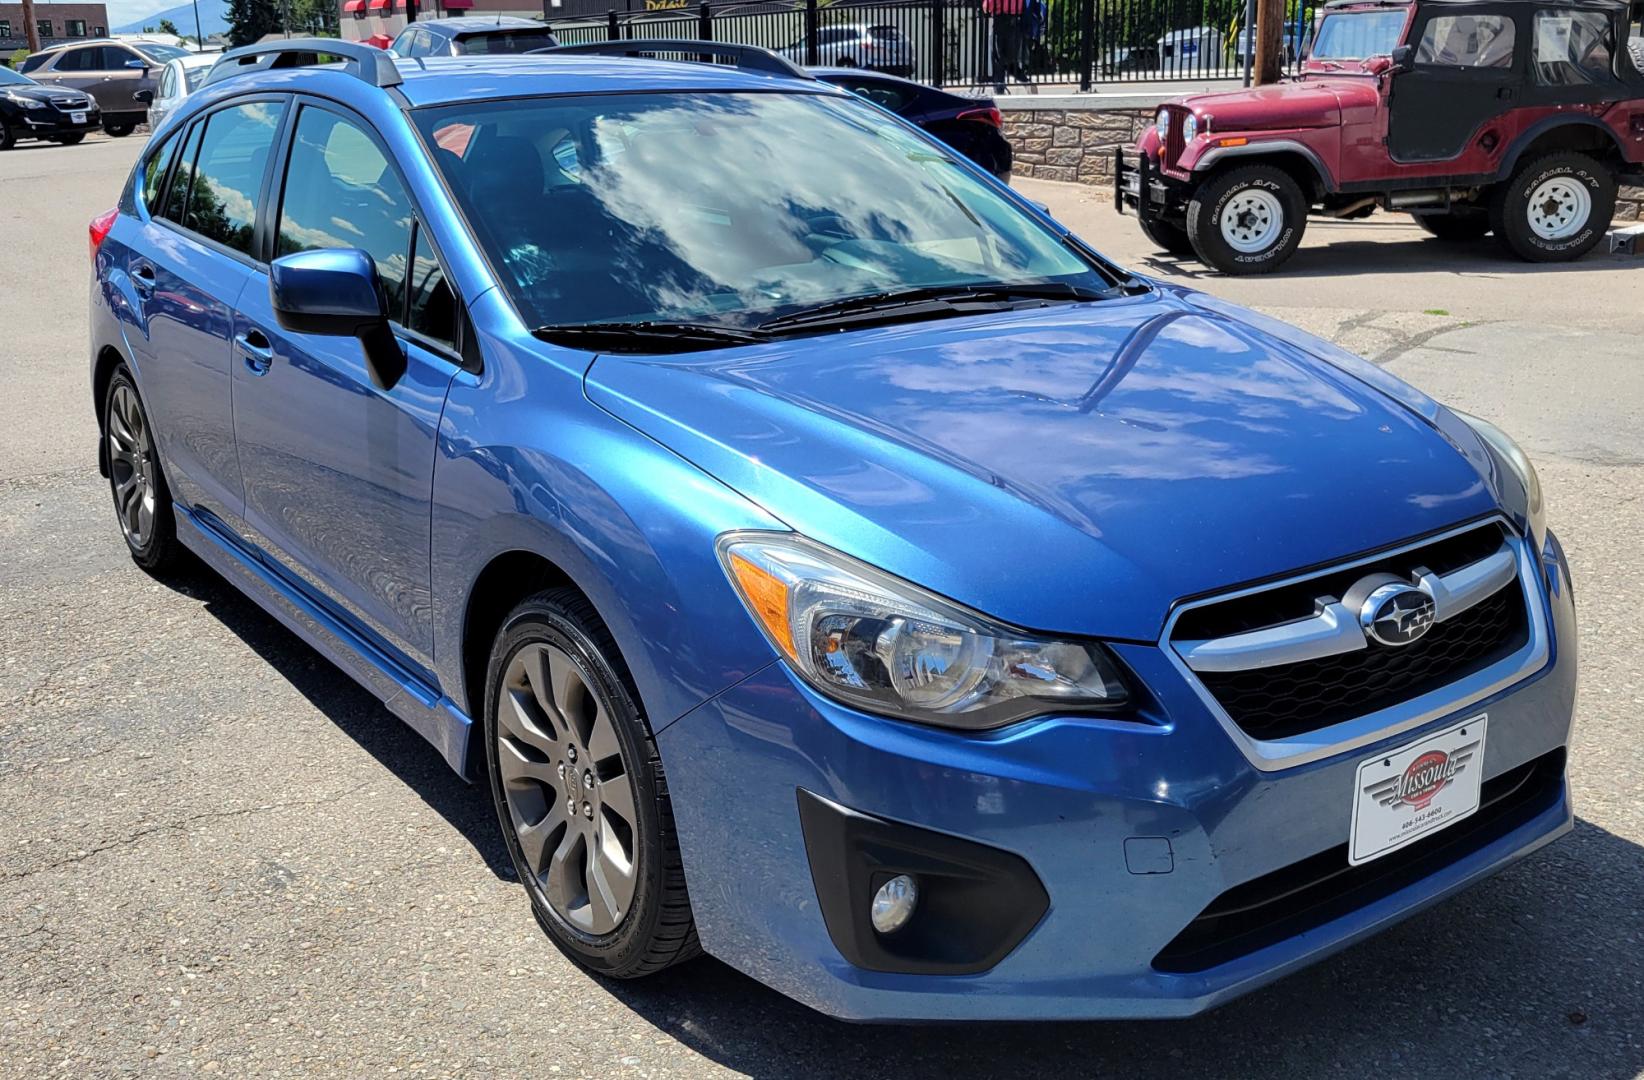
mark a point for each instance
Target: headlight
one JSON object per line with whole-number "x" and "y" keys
{"x": 884, "y": 645}
{"x": 1190, "y": 127}
{"x": 1508, "y": 451}
{"x": 1161, "y": 125}
{"x": 25, "y": 102}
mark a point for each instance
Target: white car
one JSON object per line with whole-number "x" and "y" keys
{"x": 178, "y": 79}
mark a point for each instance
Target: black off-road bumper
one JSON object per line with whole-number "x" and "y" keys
{"x": 1139, "y": 185}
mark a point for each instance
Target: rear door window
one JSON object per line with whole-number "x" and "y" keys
{"x": 176, "y": 197}
{"x": 154, "y": 174}
{"x": 228, "y": 173}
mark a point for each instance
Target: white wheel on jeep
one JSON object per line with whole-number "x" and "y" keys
{"x": 1559, "y": 208}
{"x": 1251, "y": 220}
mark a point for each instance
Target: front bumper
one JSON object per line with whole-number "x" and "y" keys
{"x": 46, "y": 123}
{"x": 1139, "y": 186}
{"x": 1133, "y": 829}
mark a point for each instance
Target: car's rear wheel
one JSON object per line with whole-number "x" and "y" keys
{"x": 7, "y": 138}
{"x": 1247, "y": 220}
{"x": 142, "y": 501}
{"x": 1554, "y": 208}
{"x": 70, "y": 140}
{"x": 1168, "y": 235}
{"x": 578, "y": 787}
{"x": 1457, "y": 226}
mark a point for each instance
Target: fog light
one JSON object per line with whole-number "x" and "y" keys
{"x": 893, "y": 904}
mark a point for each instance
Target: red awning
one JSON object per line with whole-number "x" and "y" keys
{"x": 457, "y": 5}
{"x": 377, "y": 5}
{"x": 353, "y": 7}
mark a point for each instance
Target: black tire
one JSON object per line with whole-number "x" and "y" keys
{"x": 1168, "y": 235}
{"x": 119, "y": 129}
{"x": 1510, "y": 209}
{"x": 1204, "y": 214}
{"x": 656, "y": 930}
{"x": 7, "y": 138}
{"x": 137, "y": 479}
{"x": 70, "y": 140}
{"x": 1456, "y": 227}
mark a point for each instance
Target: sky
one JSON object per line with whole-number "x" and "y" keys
{"x": 121, "y": 12}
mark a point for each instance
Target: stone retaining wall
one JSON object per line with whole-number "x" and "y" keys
{"x": 1076, "y": 146}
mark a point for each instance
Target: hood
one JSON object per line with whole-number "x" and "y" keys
{"x": 1075, "y": 468}
{"x": 1306, "y": 103}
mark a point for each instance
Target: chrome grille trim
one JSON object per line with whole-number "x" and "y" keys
{"x": 1334, "y": 629}
{"x": 1272, "y": 755}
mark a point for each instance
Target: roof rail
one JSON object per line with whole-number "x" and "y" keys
{"x": 365, "y": 62}
{"x": 749, "y": 57}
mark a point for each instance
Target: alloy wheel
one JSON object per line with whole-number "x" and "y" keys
{"x": 1251, "y": 220}
{"x": 131, "y": 466}
{"x": 568, "y": 789}
{"x": 1559, "y": 208}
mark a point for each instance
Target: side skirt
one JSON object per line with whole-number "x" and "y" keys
{"x": 428, "y": 712}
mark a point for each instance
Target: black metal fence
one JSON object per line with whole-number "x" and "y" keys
{"x": 1072, "y": 43}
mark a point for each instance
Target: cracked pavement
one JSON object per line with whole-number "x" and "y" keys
{"x": 220, "y": 856}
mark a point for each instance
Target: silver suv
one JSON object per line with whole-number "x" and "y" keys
{"x": 859, "y": 45}
{"x": 112, "y": 72}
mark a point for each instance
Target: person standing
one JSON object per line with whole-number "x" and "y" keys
{"x": 1005, "y": 21}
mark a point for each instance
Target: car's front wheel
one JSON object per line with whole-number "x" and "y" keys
{"x": 1247, "y": 220}
{"x": 119, "y": 129}
{"x": 142, "y": 501}
{"x": 7, "y": 138}
{"x": 578, "y": 788}
{"x": 1555, "y": 208}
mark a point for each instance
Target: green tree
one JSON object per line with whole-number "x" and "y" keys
{"x": 169, "y": 27}
{"x": 249, "y": 21}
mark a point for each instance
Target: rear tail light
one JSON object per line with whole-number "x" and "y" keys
{"x": 989, "y": 115}
{"x": 100, "y": 226}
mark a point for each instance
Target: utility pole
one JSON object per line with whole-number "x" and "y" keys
{"x": 199, "y": 38}
{"x": 1269, "y": 41}
{"x": 32, "y": 32}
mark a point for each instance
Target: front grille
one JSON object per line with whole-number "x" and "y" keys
{"x": 1292, "y": 699}
{"x": 1173, "y": 143}
{"x": 1308, "y": 894}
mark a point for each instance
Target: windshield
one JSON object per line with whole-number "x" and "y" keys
{"x": 510, "y": 42}
{"x": 1358, "y": 35}
{"x": 724, "y": 207}
{"x": 8, "y": 77}
{"x": 161, "y": 53}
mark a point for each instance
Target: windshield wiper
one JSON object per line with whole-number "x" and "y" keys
{"x": 933, "y": 299}
{"x": 647, "y": 336}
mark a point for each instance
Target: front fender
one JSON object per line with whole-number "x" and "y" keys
{"x": 629, "y": 522}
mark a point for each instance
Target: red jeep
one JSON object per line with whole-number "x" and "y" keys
{"x": 1515, "y": 117}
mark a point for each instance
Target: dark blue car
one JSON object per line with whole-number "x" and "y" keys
{"x": 824, "y": 558}
{"x": 970, "y": 125}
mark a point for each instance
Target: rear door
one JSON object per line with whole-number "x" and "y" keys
{"x": 339, "y": 472}
{"x": 190, "y": 264}
{"x": 1469, "y": 69}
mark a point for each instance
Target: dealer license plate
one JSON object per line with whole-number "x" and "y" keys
{"x": 1414, "y": 792}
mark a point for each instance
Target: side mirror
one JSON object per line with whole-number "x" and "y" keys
{"x": 337, "y": 293}
{"x": 136, "y": 65}
{"x": 144, "y": 96}
{"x": 1404, "y": 58}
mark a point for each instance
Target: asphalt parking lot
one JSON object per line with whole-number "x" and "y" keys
{"x": 220, "y": 856}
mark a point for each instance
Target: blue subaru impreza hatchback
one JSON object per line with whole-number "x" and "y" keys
{"x": 827, "y": 561}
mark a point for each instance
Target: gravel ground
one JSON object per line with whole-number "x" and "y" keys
{"x": 219, "y": 856}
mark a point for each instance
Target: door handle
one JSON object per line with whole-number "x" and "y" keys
{"x": 142, "y": 279}
{"x": 256, "y": 350}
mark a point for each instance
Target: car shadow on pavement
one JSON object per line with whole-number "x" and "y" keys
{"x": 1371, "y": 247}
{"x": 1536, "y": 972}
{"x": 355, "y": 711}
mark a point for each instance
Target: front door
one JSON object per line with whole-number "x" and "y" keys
{"x": 1468, "y": 70}
{"x": 339, "y": 472}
